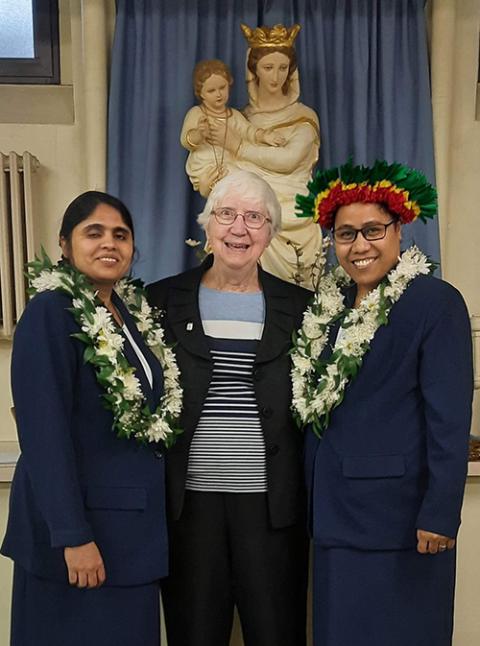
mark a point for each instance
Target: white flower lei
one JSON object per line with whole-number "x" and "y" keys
{"x": 104, "y": 344}
{"x": 319, "y": 385}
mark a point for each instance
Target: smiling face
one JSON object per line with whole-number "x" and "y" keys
{"x": 215, "y": 92}
{"x": 272, "y": 72}
{"x": 101, "y": 247}
{"x": 234, "y": 246}
{"x": 367, "y": 262}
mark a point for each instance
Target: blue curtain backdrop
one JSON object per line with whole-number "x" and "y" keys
{"x": 363, "y": 67}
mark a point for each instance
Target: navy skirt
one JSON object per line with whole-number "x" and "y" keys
{"x": 393, "y": 597}
{"x": 46, "y": 613}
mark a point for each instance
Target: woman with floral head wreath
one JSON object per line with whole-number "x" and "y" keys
{"x": 94, "y": 409}
{"x": 383, "y": 380}
{"x": 273, "y": 87}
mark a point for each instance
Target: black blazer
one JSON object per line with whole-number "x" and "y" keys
{"x": 285, "y": 304}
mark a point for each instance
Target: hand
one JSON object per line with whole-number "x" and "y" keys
{"x": 229, "y": 138}
{"x": 196, "y": 136}
{"x": 85, "y": 566}
{"x": 216, "y": 133}
{"x": 431, "y": 543}
{"x": 274, "y": 139}
{"x": 203, "y": 128}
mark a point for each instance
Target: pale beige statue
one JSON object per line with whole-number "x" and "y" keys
{"x": 208, "y": 162}
{"x": 273, "y": 89}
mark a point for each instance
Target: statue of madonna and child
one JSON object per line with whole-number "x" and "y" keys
{"x": 276, "y": 137}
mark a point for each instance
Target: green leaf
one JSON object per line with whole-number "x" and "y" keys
{"x": 89, "y": 354}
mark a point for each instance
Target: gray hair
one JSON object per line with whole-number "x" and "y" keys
{"x": 248, "y": 185}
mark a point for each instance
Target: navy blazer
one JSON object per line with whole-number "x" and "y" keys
{"x": 76, "y": 481}
{"x": 284, "y": 305}
{"x": 394, "y": 457}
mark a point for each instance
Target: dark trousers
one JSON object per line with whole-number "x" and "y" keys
{"x": 223, "y": 553}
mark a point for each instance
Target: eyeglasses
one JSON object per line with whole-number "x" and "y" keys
{"x": 371, "y": 232}
{"x": 252, "y": 219}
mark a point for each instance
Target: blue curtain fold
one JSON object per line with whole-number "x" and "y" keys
{"x": 363, "y": 68}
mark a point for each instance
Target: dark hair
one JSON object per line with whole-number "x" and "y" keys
{"x": 383, "y": 206}
{"x": 84, "y": 205}
{"x": 256, "y": 53}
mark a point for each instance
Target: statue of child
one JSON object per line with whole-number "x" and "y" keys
{"x": 207, "y": 163}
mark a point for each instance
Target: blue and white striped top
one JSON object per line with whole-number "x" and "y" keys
{"x": 228, "y": 448}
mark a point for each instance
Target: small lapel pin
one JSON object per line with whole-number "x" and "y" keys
{"x": 189, "y": 327}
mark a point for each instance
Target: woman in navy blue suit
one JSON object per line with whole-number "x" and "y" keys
{"x": 383, "y": 374}
{"x": 86, "y": 529}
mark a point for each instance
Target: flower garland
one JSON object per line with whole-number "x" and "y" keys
{"x": 319, "y": 384}
{"x": 104, "y": 350}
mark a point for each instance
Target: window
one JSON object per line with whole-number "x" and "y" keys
{"x": 29, "y": 41}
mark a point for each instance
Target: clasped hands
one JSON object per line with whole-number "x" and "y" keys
{"x": 85, "y": 566}
{"x": 431, "y": 543}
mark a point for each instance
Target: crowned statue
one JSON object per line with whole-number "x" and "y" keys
{"x": 274, "y": 88}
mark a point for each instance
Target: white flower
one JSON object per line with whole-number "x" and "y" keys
{"x": 158, "y": 430}
{"x": 317, "y": 346}
{"x": 131, "y": 385}
{"x": 47, "y": 281}
{"x": 143, "y": 324}
{"x": 192, "y": 243}
{"x": 393, "y": 292}
{"x": 125, "y": 291}
{"x": 371, "y": 300}
{"x": 332, "y": 370}
{"x": 128, "y": 418}
{"x": 302, "y": 409}
{"x": 102, "y": 320}
{"x": 311, "y": 325}
{"x": 301, "y": 363}
{"x": 173, "y": 401}
{"x": 78, "y": 303}
{"x": 156, "y": 342}
{"x": 349, "y": 347}
{"x": 109, "y": 344}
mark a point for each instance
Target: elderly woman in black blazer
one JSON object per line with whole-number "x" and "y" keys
{"x": 234, "y": 479}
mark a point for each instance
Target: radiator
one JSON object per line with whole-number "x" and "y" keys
{"x": 17, "y": 245}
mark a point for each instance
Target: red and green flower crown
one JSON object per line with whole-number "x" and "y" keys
{"x": 404, "y": 191}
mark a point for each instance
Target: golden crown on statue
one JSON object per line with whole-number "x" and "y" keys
{"x": 276, "y": 36}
